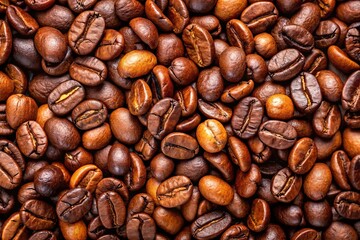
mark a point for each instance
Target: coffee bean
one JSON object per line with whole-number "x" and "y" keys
{"x": 174, "y": 191}
{"x": 277, "y": 134}
{"x": 298, "y": 37}
{"x": 211, "y": 135}
{"x": 216, "y": 190}
{"x": 350, "y": 93}
{"x": 215, "y": 110}
{"x": 6, "y": 44}
{"x": 302, "y": 156}
{"x": 347, "y": 204}
{"x": 283, "y": 68}
{"x": 88, "y": 176}
{"x": 38, "y": 215}
{"x": 89, "y": 71}
{"x": 210, "y": 225}
{"x": 10, "y": 174}
{"x": 141, "y": 226}
{"x": 179, "y": 146}
{"x": 19, "y": 109}
{"x": 317, "y": 182}
{"x": 140, "y": 98}
{"x": 240, "y": 35}
{"x": 51, "y": 44}
{"x": 21, "y": 21}
{"x": 286, "y": 185}
{"x": 327, "y": 120}
{"x": 259, "y": 217}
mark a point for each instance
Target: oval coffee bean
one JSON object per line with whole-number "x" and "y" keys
{"x": 259, "y": 217}
{"x": 347, "y": 204}
{"x": 210, "y": 225}
{"x": 286, "y": 64}
{"x": 73, "y": 205}
{"x": 216, "y": 190}
{"x": 277, "y": 134}
{"x": 350, "y": 95}
{"x": 327, "y": 120}
{"x": 65, "y": 97}
{"x": 298, "y": 37}
{"x": 302, "y": 156}
{"x": 38, "y": 215}
{"x": 141, "y": 226}
{"x": 89, "y": 71}
{"x": 6, "y": 44}
{"x": 174, "y": 191}
{"x": 112, "y": 209}
{"x": 179, "y": 146}
{"x": 286, "y": 185}
{"x": 89, "y": 114}
{"x": 10, "y": 172}
{"x": 317, "y": 182}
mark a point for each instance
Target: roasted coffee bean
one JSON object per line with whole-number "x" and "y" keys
{"x": 340, "y": 168}
{"x": 210, "y": 225}
{"x": 136, "y": 177}
{"x": 302, "y": 156}
{"x": 298, "y": 37}
{"x": 280, "y": 107}
{"x": 315, "y": 61}
{"x": 49, "y": 180}
{"x": 42, "y": 235}
{"x": 88, "y": 71}
{"x": 286, "y": 64}
{"x": 38, "y": 215}
{"x": 187, "y": 99}
{"x": 126, "y": 10}
{"x": 306, "y": 93}
{"x": 286, "y": 185}
{"x": 215, "y": 110}
{"x": 11, "y": 173}
{"x": 238, "y": 231}
{"x": 194, "y": 168}
{"x": 341, "y": 60}
{"x": 87, "y": 176}
{"x": 340, "y": 230}
{"x": 347, "y": 204}
{"x": 354, "y": 172}
{"x": 308, "y": 16}
{"x": 259, "y": 217}
{"x": 326, "y": 34}
{"x": 21, "y": 21}
{"x": 79, "y": 7}
{"x": 199, "y": 45}
{"x": 317, "y": 182}
{"x": 6, "y": 44}
{"x": 141, "y": 226}
{"x": 51, "y": 44}
{"x": 141, "y": 203}
{"x": 239, "y": 35}
{"x": 350, "y": 94}
{"x": 65, "y": 97}
{"x": 289, "y": 215}
{"x": 73, "y": 205}
{"x": 14, "y": 228}
{"x": 112, "y": 210}
{"x": 232, "y": 64}
{"x": 246, "y": 183}
{"x": 19, "y": 109}
{"x": 169, "y": 220}
{"x": 140, "y": 98}
{"x": 179, "y": 146}
{"x": 327, "y": 120}
{"x": 306, "y": 233}
{"x": 318, "y": 214}
{"x": 174, "y": 191}
{"x": 136, "y": 64}
{"x": 211, "y": 23}
{"x": 277, "y": 134}
{"x": 330, "y": 84}
{"x": 146, "y": 31}
{"x": 12, "y": 150}
{"x": 160, "y": 80}
{"x": 347, "y": 12}
{"x": 163, "y": 117}
{"x": 211, "y": 135}
{"x": 265, "y": 45}
{"x": 351, "y": 41}
{"x": 239, "y": 153}
{"x": 111, "y": 45}
{"x": 7, "y": 202}
{"x": 85, "y": 32}
{"x": 31, "y": 139}
{"x": 89, "y": 114}
{"x": 216, "y": 190}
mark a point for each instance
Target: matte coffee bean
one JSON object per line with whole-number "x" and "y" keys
{"x": 194, "y": 168}
{"x": 88, "y": 71}
{"x": 174, "y": 191}
{"x": 286, "y": 185}
{"x": 73, "y": 205}
{"x": 303, "y": 156}
{"x": 31, "y": 139}
{"x": 210, "y": 225}
{"x": 247, "y": 117}
{"x": 38, "y": 215}
{"x": 340, "y": 230}
{"x": 199, "y": 45}
{"x": 216, "y": 190}
{"x": 179, "y": 146}
{"x": 277, "y": 134}
{"x": 42, "y": 235}
{"x": 85, "y": 32}
{"x": 65, "y": 97}
{"x": 286, "y": 64}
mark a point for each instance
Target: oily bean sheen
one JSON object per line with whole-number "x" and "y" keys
{"x": 38, "y": 215}
{"x": 85, "y": 32}
{"x": 350, "y": 95}
{"x": 306, "y": 93}
{"x": 10, "y": 172}
{"x": 65, "y": 97}
{"x": 277, "y": 134}
{"x": 141, "y": 226}
{"x": 51, "y": 44}
{"x": 298, "y": 37}
{"x": 327, "y": 120}
{"x": 286, "y": 185}
{"x": 352, "y": 41}
{"x": 89, "y": 114}
{"x": 232, "y": 64}
{"x": 6, "y": 44}
{"x": 89, "y": 71}
{"x": 259, "y": 217}
{"x": 210, "y": 225}
{"x": 199, "y": 44}
{"x": 286, "y": 64}
{"x": 174, "y": 191}
{"x": 216, "y": 190}
{"x": 73, "y": 205}
{"x": 347, "y": 204}
{"x": 179, "y": 146}
{"x": 302, "y": 156}
{"x": 247, "y": 117}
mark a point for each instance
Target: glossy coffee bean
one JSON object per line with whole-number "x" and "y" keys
{"x": 349, "y": 94}
{"x": 231, "y": 57}
{"x": 87, "y": 176}
{"x": 19, "y": 109}
{"x": 327, "y": 120}
{"x": 6, "y": 45}
{"x": 89, "y": 71}
{"x": 317, "y": 182}
{"x": 211, "y": 135}
{"x": 259, "y": 217}
{"x": 111, "y": 45}
{"x": 216, "y": 190}
{"x": 210, "y": 225}
{"x": 279, "y": 106}
{"x": 141, "y": 226}
{"x": 38, "y": 215}
{"x": 89, "y": 114}
{"x": 286, "y": 185}
{"x": 298, "y": 37}
{"x": 179, "y": 146}
{"x": 283, "y": 68}
{"x": 246, "y": 183}
{"x": 11, "y": 173}
{"x": 51, "y": 44}
{"x": 277, "y": 134}
{"x": 302, "y": 156}
{"x": 174, "y": 191}
{"x": 347, "y": 204}
{"x": 21, "y": 21}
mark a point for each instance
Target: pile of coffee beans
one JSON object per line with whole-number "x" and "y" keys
{"x": 179, "y": 119}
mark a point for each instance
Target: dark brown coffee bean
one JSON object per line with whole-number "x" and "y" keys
{"x": 6, "y": 44}
{"x": 57, "y": 16}
{"x": 347, "y": 12}
{"x": 141, "y": 203}
{"x": 318, "y": 214}
{"x": 38, "y": 215}
{"x": 89, "y": 71}
{"x": 11, "y": 173}
{"x": 118, "y": 159}
{"x": 85, "y": 32}
{"x": 187, "y": 99}
{"x": 112, "y": 210}
{"x": 25, "y": 54}
{"x": 237, "y": 231}
{"x": 62, "y": 133}
{"x": 326, "y": 34}
{"x": 340, "y": 168}
{"x": 327, "y": 120}
{"x": 65, "y": 97}
{"x": 179, "y": 146}
{"x": 236, "y": 92}
{"x": 302, "y": 156}
{"x": 247, "y": 117}
{"x": 210, "y": 225}
{"x": 182, "y": 71}
{"x": 259, "y": 16}
{"x": 148, "y": 146}
{"x": 194, "y": 168}
{"x": 306, "y": 233}
{"x": 21, "y": 21}
{"x": 174, "y": 191}
{"x": 308, "y": 16}
{"x": 277, "y": 134}
{"x": 256, "y": 68}
{"x": 210, "y": 84}
{"x": 107, "y": 93}
{"x": 89, "y": 114}
{"x": 306, "y": 93}
{"x": 286, "y": 64}
{"x": 352, "y": 41}
{"x": 259, "y": 217}
{"x": 51, "y": 44}
{"x": 163, "y": 117}
{"x": 298, "y": 37}
{"x": 79, "y": 7}
{"x": 354, "y": 173}
{"x": 31, "y": 139}
{"x": 215, "y": 110}
{"x": 289, "y": 215}
{"x": 146, "y": 31}
{"x": 210, "y": 22}
{"x": 286, "y": 185}
{"x": 7, "y": 202}
{"x": 189, "y": 123}
{"x": 347, "y": 204}
{"x": 315, "y": 61}
{"x": 199, "y": 45}
{"x": 43, "y": 235}
{"x": 330, "y": 84}
{"x": 340, "y": 230}
{"x": 350, "y": 96}
{"x": 73, "y": 205}
{"x": 222, "y": 163}
{"x": 49, "y": 180}
{"x": 126, "y": 10}
{"x": 231, "y": 57}
{"x": 141, "y": 226}
{"x": 239, "y": 35}
{"x": 13, "y": 151}
{"x": 178, "y": 14}
{"x": 170, "y": 47}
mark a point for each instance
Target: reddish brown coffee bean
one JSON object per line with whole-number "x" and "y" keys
{"x": 216, "y": 190}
